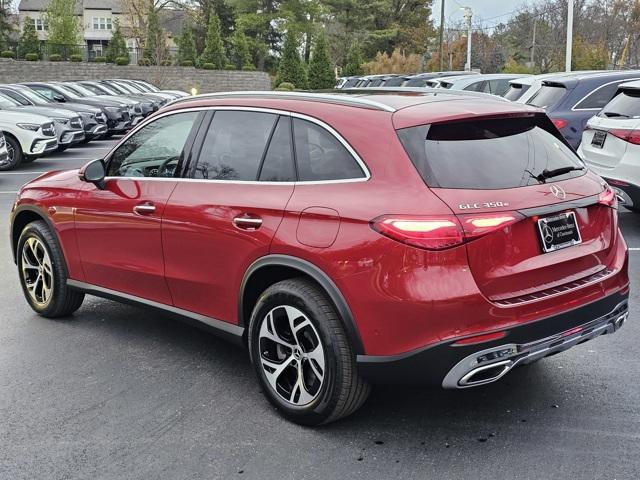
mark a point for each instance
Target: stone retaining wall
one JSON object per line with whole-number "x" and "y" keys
{"x": 180, "y": 78}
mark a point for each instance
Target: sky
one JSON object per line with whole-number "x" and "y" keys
{"x": 485, "y": 9}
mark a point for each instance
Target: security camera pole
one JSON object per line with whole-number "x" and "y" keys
{"x": 467, "y": 17}
{"x": 567, "y": 60}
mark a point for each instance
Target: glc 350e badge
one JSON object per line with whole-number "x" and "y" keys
{"x": 471, "y": 206}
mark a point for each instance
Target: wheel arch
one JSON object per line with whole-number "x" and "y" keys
{"x": 21, "y": 217}
{"x": 273, "y": 268}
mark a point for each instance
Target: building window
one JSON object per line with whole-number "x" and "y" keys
{"x": 101, "y": 23}
{"x": 40, "y": 24}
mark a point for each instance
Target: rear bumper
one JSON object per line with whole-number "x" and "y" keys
{"x": 466, "y": 365}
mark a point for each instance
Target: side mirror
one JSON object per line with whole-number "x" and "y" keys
{"x": 59, "y": 98}
{"x": 94, "y": 172}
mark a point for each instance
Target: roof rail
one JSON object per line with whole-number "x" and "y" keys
{"x": 318, "y": 97}
{"x": 424, "y": 90}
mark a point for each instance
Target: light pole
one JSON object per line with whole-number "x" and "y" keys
{"x": 567, "y": 59}
{"x": 441, "y": 49}
{"x": 467, "y": 16}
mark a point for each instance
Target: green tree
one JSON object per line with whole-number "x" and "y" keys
{"x": 117, "y": 46}
{"x": 354, "y": 61}
{"x": 5, "y": 26}
{"x": 291, "y": 68}
{"x": 240, "y": 55}
{"x": 321, "y": 74}
{"x": 155, "y": 45}
{"x": 213, "y": 46}
{"x": 65, "y": 27}
{"x": 187, "y": 45}
{"x": 29, "y": 42}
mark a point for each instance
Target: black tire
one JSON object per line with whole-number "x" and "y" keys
{"x": 28, "y": 158}
{"x": 63, "y": 301}
{"x": 61, "y": 148}
{"x": 15, "y": 154}
{"x": 342, "y": 390}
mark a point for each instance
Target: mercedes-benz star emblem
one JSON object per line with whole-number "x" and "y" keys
{"x": 558, "y": 192}
{"x": 547, "y": 234}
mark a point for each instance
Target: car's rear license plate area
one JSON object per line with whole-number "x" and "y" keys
{"x": 559, "y": 231}
{"x": 598, "y": 138}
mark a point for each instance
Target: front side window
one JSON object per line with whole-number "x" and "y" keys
{"x": 155, "y": 150}
{"x": 321, "y": 156}
{"x": 234, "y": 146}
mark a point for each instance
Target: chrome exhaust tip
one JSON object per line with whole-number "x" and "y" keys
{"x": 486, "y": 374}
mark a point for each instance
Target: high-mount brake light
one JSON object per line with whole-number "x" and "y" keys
{"x": 560, "y": 123}
{"x": 443, "y": 231}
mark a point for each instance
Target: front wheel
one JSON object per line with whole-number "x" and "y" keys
{"x": 302, "y": 355}
{"x": 14, "y": 157}
{"x": 43, "y": 274}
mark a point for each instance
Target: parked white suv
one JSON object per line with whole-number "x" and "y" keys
{"x": 4, "y": 154}
{"x": 611, "y": 144}
{"x": 28, "y": 136}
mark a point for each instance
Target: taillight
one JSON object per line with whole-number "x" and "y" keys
{"x": 430, "y": 233}
{"x": 443, "y": 231}
{"x": 631, "y": 136}
{"x": 560, "y": 123}
{"x": 608, "y": 197}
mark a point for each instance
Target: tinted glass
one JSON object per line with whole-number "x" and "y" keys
{"x": 624, "y": 105}
{"x": 154, "y": 150}
{"x": 474, "y": 87}
{"x": 498, "y": 86}
{"x": 48, "y": 93}
{"x": 489, "y": 154}
{"x": 515, "y": 91}
{"x": 394, "y": 82}
{"x": 278, "y": 162}
{"x": 547, "y": 96}
{"x": 6, "y": 102}
{"x": 16, "y": 97}
{"x": 320, "y": 155}
{"x": 352, "y": 82}
{"x": 600, "y": 97}
{"x": 375, "y": 83}
{"x": 35, "y": 97}
{"x": 234, "y": 145}
{"x": 416, "y": 82}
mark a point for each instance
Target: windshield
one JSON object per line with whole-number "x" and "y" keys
{"x": 463, "y": 154}
{"x": 75, "y": 90}
{"x": 35, "y": 97}
{"x": 547, "y": 96}
{"x": 515, "y": 91}
{"x": 67, "y": 91}
{"x": 624, "y": 105}
{"x": 119, "y": 89}
{"x": 6, "y": 102}
{"x": 137, "y": 87}
{"x": 82, "y": 90}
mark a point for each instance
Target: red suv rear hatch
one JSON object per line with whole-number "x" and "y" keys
{"x": 535, "y": 222}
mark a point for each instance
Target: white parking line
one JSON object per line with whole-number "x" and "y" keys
{"x": 21, "y": 173}
{"x": 634, "y": 249}
{"x": 10, "y": 192}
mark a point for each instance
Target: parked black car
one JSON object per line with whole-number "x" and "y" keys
{"x": 94, "y": 119}
{"x": 571, "y": 99}
{"x": 421, "y": 79}
{"x": 118, "y": 119}
{"x": 148, "y": 105}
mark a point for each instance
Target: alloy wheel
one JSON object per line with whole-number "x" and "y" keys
{"x": 291, "y": 355}
{"x": 37, "y": 271}
{"x": 10, "y": 155}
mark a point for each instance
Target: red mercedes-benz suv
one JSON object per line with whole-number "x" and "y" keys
{"x": 437, "y": 237}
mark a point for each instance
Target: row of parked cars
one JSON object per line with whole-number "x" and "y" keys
{"x": 597, "y": 112}
{"x": 39, "y": 118}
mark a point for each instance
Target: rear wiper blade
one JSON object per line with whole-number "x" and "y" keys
{"x": 556, "y": 172}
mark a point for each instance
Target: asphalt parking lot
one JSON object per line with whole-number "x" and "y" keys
{"x": 118, "y": 392}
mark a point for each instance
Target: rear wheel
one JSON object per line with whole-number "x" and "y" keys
{"x": 302, "y": 356}
{"x": 15, "y": 156}
{"x": 43, "y": 274}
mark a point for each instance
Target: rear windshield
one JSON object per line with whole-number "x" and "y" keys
{"x": 515, "y": 91}
{"x": 488, "y": 154}
{"x": 416, "y": 82}
{"x": 624, "y": 105}
{"x": 547, "y": 96}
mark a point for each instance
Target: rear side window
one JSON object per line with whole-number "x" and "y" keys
{"x": 416, "y": 82}
{"x": 476, "y": 87}
{"x": 234, "y": 145}
{"x": 394, "y": 82}
{"x": 547, "y": 96}
{"x": 599, "y": 98}
{"x": 624, "y": 105}
{"x": 320, "y": 155}
{"x": 487, "y": 154}
{"x": 498, "y": 86}
{"x": 278, "y": 161}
